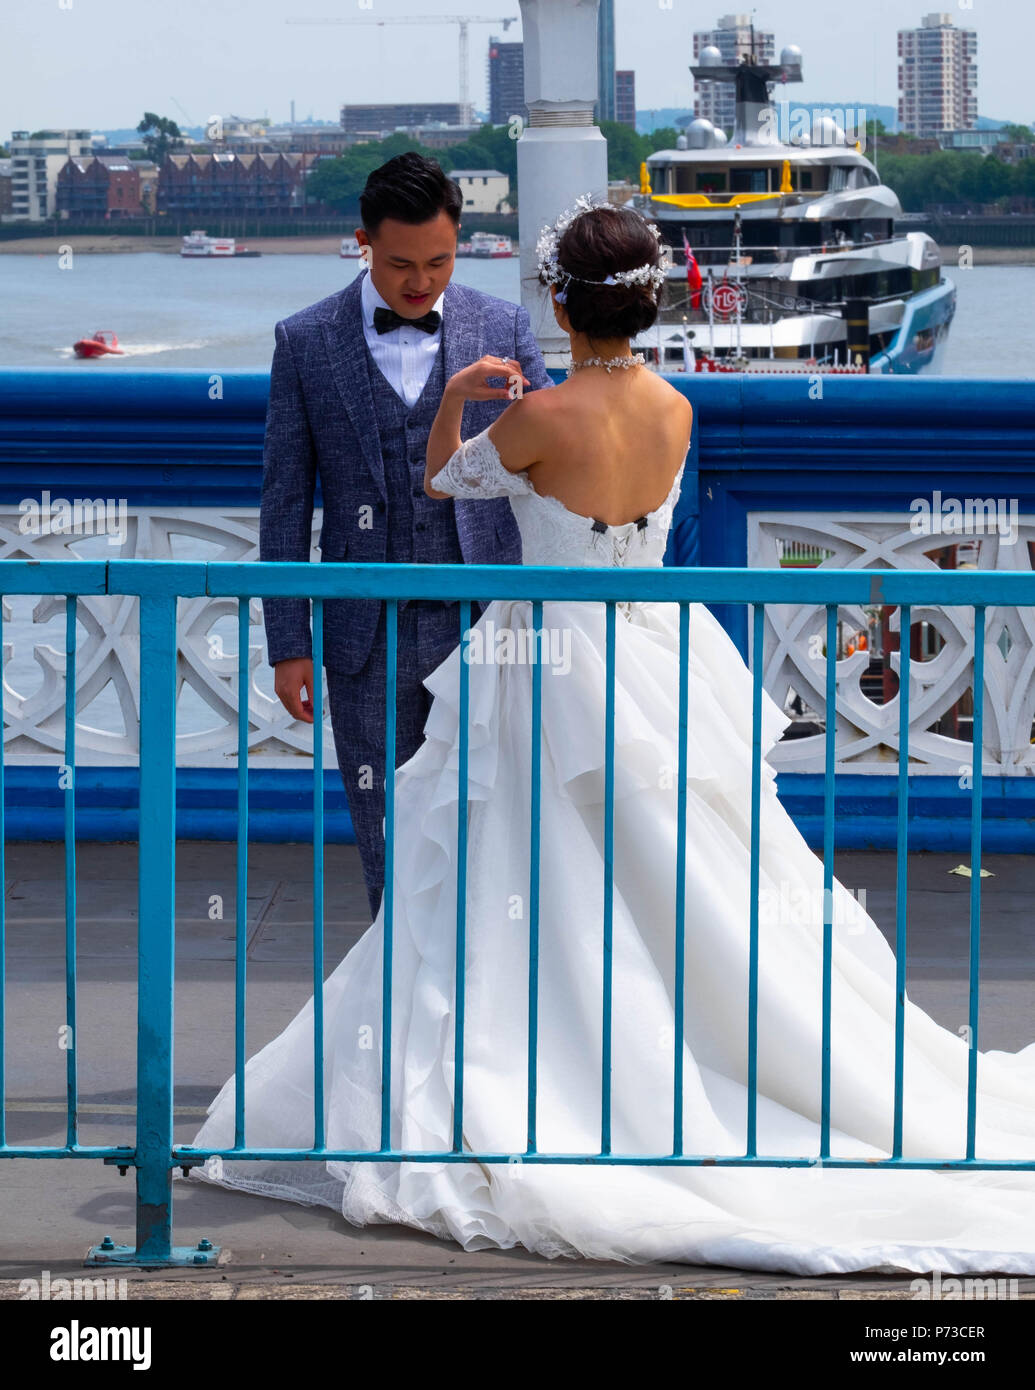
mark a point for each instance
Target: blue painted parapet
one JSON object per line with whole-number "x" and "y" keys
{"x": 828, "y": 471}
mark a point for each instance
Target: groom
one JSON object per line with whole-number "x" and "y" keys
{"x": 355, "y": 386}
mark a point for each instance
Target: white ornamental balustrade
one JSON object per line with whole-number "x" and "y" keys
{"x": 867, "y": 732}
{"x": 108, "y": 653}
{"x": 107, "y": 663}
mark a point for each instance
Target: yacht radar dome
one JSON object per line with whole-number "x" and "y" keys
{"x": 752, "y": 79}
{"x": 700, "y": 133}
{"x": 828, "y": 132}
{"x": 682, "y": 143}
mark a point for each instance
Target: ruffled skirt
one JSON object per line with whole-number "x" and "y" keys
{"x": 810, "y": 1220}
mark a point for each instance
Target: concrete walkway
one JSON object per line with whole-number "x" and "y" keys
{"x": 52, "y": 1211}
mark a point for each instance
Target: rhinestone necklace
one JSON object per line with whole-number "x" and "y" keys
{"x": 606, "y": 362}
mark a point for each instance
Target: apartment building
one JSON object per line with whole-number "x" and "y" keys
{"x": 937, "y": 77}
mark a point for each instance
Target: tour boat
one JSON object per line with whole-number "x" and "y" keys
{"x": 784, "y": 249}
{"x": 198, "y": 245}
{"x": 99, "y": 344}
{"x": 350, "y": 248}
{"x": 487, "y": 246}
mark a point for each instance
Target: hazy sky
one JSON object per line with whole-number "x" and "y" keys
{"x": 102, "y": 63}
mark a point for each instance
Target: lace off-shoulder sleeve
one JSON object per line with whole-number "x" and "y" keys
{"x": 476, "y": 470}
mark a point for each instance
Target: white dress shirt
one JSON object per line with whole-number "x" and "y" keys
{"x": 405, "y": 355}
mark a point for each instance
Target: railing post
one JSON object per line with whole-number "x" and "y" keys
{"x": 156, "y": 948}
{"x": 157, "y": 872}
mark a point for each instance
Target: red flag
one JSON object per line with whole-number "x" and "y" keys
{"x": 693, "y": 275}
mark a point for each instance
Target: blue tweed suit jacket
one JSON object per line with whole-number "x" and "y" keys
{"x": 321, "y": 422}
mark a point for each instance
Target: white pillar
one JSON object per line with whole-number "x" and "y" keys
{"x": 561, "y": 153}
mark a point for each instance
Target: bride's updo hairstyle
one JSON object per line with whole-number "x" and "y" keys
{"x": 597, "y": 244}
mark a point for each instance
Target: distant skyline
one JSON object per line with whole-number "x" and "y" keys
{"x": 102, "y": 63}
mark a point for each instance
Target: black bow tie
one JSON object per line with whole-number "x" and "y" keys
{"x": 386, "y": 320}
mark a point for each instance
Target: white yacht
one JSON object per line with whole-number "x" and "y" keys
{"x": 487, "y": 246}
{"x": 198, "y": 244}
{"x": 798, "y": 263}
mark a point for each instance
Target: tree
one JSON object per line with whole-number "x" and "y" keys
{"x": 923, "y": 181}
{"x": 338, "y": 182}
{"x": 161, "y": 136}
{"x": 625, "y": 150}
{"x": 1024, "y": 176}
{"x": 996, "y": 179}
{"x": 494, "y": 147}
{"x": 662, "y": 139}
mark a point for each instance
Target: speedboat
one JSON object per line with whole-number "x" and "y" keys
{"x": 99, "y": 344}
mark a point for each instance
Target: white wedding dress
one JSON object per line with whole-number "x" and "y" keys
{"x": 812, "y": 1220}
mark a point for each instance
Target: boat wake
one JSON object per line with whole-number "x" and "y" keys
{"x": 145, "y": 349}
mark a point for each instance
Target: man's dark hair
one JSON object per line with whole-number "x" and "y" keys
{"x": 409, "y": 188}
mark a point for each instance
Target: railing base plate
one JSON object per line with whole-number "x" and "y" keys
{"x": 179, "y": 1256}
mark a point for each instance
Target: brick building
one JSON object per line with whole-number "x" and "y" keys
{"x": 253, "y": 185}
{"x": 104, "y": 186}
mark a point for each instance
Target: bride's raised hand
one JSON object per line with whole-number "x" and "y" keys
{"x": 473, "y": 382}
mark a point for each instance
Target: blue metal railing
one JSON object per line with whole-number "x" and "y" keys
{"x": 158, "y": 585}
{"x": 179, "y": 442}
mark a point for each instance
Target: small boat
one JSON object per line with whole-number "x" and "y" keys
{"x": 99, "y": 344}
{"x": 350, "y": 248}
{"x": 199, "y": 246}
{"x": 489, "y": 246}
{"x": 486, "y": 246}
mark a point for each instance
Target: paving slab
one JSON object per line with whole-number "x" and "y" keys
{"x": 51, "y": 1212}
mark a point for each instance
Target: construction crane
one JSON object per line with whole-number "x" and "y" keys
{"x": 464, "y": 21}
{"x": 183, "y": 112}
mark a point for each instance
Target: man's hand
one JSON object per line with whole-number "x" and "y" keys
{"x": 289, "y": 679}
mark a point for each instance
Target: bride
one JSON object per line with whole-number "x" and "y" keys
{"x": 593, "y": 469}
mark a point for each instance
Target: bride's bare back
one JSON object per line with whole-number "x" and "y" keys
{"x": 605, "y": 445}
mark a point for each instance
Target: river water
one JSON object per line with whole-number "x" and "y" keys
{"x": 171, "y": 312}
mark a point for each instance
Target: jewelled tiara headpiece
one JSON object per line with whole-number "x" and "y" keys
{"x": 556, "y": 274}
